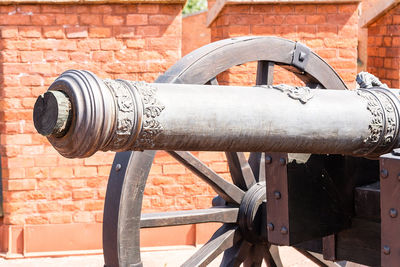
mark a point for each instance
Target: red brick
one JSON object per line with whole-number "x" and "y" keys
{"x": 36, "y": 219}
{"x": 237, "y": 30}
{"x": 93, "y": 205}
{"x": 285, "y": 9}
{"x": 99, "y": 32}
{"x": 110, "y": 44}
{"x": 56, "y": 195}
{"x": 103, "y": 170}
{"x": 100, "y": 9}
{"x": 8, "y": 9}
{"x": 38, "y": 172}
{"x": 148, "y": 8}
{"x": 16, "y": 139}
{"x": 327, "y": 9}
{"x": 350, "y": 54}
{"x": 315, "y": 19}
{"x": 31, "y": 80}
{"x": 96, "y": 182}
{"x": 172, "y": 190}
{"x": 124, "y": 9}
{"x": 30, "y": 32}
{"x": 295, "y": 19}
{"x": 272, "y": 20}
{"x": 148, "y": 31}
{"x": 102, "y": 56}
{"x": 135, "y": 43}
{"x": 17, "y": 45}
{"x": 53, "y": 32}
{"x": 60, "y": 218}
{"x": 85, "y": 171}
{"x": 173, "y": 169}
{"x": 82, "y": 194}
{"x": 41, "y": 19}
{"x": 396, "y": 41}
{"x": 305, "y": 9}
{"x": 112, "y": 20}
{"x": 66, "y": 19}
{"x": 124, "y": 32}
{"x": 32, "y": 150}
{"x": 396, "y": 19}
{"x": 56, "y": 56}
{"x": 21, "y": 184}
{"x": 237, "y": 9}
{"x": 15, "y": 19}
{"x": 9, "y": 32}
{"x": 161, "y": 19}
{"x": 13, "y": 173}
{"x": 31, "y": 56}
{"x": 90, "y": 44}
{"x": 61, "y": 172}
{"x": 83, "y": 217}
{"x": 79, "y": 56}
{"x": 91, "y": 19}
{"x": 77, "y": 32}
{"x": 98, "y": 216}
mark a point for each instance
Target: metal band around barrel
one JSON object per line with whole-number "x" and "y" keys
{"x": 125, "y": 114}
{"x": 152, "y": 108}
{"x": 383, "y": 126}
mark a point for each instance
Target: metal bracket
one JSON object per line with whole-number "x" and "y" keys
{"x": 390, "y": 207}
{"x": 300, "y": 56}
{"x": 277, "y": 198}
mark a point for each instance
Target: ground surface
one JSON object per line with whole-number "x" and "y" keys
{"x": 163, "y": 258}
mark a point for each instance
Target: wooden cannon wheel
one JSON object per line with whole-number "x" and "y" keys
{"x": 242, "y": 237}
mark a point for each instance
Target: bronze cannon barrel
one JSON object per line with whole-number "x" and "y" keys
{"x": 81, "y": 114}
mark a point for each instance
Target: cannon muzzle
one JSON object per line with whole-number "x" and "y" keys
{"x": 81, "y": 114}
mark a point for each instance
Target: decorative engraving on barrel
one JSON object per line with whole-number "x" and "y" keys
{"x": 152, "y": 108}
{"x": 125, "y": 113}
{"x": 303, "y": 94}
{"x": 390, "y": 116}
{"x": 376, "y": 125}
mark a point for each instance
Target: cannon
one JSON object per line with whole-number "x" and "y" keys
{"x": 312, "y": 178}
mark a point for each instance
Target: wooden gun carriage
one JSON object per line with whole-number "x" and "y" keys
{"x": 319, "y": 159}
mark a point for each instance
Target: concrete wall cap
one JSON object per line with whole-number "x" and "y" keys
{"x": 379, "y": 9}
{"x": 10, "y": 2}
{"x": 219, "y": 5}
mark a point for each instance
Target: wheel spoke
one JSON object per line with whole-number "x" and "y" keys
{"x": 255, "y": 258}
{"x": 265, "y": 72}
{"x": 236, "y": 255}
{"x": 241, "y": 172}
{"x": 269, "y": 260}
{"x": 215, "y": 214}
{"x": 257, "y": 164}
{"x": 229, "y": 192}
{"x": 213, "y": 81}
{"x": 312, "y": 258}
{"x": 225, "y": 237}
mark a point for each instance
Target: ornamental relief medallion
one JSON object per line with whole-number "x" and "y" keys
{"x": 301, "y": 93}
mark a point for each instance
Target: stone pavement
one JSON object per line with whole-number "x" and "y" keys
{"x": 154, "y": 257}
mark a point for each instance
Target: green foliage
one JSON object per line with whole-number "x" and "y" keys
{"x": 193, "y": 6}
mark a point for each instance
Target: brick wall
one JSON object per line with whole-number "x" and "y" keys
{"x": 384, "y": 48}
{"x": 38, "y": 42}
{"x": 330, "y": 30}
{"x": 195, "y": 32}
